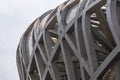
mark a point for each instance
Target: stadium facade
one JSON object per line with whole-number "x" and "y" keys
{"x": 78, "y": 40}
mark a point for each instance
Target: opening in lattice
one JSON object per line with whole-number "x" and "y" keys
{"x": 51, "y": 34}
{"x": 43, "y": 47}
{"x": 48, "y": 77}
{"x": 71, "y": 34}
{"x": 53, "y": 23}
{"x": 51, "y": 39}
{"x": 40, "y": 61}
{"x": 71, "y": 61}
{"x": 59, "y": 65}
{"x": 34, "y": 72}
{"x": 102, "y": 36}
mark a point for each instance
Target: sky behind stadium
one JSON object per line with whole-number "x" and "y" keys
{"x": 15, "y": 17}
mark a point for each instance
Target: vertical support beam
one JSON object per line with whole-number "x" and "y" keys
{"x": 81, "y": 47}
{"x": 87, "y": 34}
{"x": 66, "y": 52}
{"x": 112, "y": 20}
{"x": 117, "y": 70}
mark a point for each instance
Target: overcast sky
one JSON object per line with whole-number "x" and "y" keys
{"x": 15, "y": 17}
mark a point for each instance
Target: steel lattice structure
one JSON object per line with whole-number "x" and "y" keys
{"x": 78, "y": 40}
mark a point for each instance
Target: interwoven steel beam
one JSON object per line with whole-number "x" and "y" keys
{"x": 78, "y": 40}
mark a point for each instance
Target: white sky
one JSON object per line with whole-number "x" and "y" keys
{"x": 15, "y": 17}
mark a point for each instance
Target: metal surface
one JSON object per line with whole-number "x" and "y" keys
{"x": 78, "y": 40}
